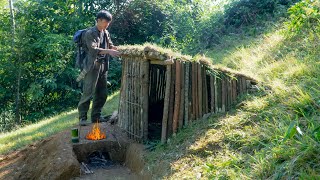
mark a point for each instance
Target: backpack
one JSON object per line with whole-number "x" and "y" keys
{"x": 81, "y": 53}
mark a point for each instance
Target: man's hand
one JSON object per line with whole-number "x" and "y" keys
{"x": 113, "y": 53}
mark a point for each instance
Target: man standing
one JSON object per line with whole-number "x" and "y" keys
{"x": 98, "y": 47}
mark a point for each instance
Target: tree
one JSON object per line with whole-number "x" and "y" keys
{"x": 17, "y": 64}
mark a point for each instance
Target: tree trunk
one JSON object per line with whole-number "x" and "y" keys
{"x": 16, "y": 64}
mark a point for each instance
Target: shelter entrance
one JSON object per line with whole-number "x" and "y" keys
{"x": 157, "y": 86}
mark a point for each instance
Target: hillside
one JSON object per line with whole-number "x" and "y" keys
{"x": 272, "y": 135}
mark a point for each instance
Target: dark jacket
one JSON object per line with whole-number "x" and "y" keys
{"x": 92, "y": 40}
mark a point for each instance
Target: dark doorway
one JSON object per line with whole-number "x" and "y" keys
{"x": 157, "y": 79}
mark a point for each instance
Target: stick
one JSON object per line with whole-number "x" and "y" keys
{"x": 166, "y": 105}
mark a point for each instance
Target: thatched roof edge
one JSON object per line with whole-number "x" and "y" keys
{"x": 154, "y": 52}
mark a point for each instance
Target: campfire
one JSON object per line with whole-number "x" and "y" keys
{"x": 96, "y": 133}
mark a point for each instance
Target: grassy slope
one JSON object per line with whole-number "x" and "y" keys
{"x": 247, "y": 143}
{"x": 47, "y": 127}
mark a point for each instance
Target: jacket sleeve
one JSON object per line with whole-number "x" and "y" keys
{"x": 91, "y": 43}
{"x": 92, "y": 48}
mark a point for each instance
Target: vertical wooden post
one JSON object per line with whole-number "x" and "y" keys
{"x": 138, "y": 92}
{"x": 244, "y": 85}
{"x": 239, "y": 86}
{"x": 219, "y": 85}
{"x": 121, "y": 103}
{"x": 181, "y": 106}
{"x": 212, "y": 94}
{"x": 215, "y": 94}
{"x": 223, "y": 93}
{"x": 199, "y": 79}
{"x": 177, "y": 96}
{"x": 129, "y": 96}
{"x": 186, "y": 94}
{"x": 229, "y": 93}
{"x": 234, "y": 90}
{"x": 166, "y": 105}
{"x": 193, "y": 92}
{"x": 171, "y": 105}
{"x": 134, "y": 92}
{"x": 145, "y": 96}
{"x": 126, "y": 109}
{"x": 205, "y": 90}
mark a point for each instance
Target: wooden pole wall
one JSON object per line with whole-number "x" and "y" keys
{"x": 187, "y": 89}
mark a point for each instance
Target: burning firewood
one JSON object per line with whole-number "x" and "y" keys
{"x": 96, "y": 133}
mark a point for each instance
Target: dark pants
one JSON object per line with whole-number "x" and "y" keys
{"x": 94, "y": 85}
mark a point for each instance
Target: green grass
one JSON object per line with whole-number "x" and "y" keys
{"x": 29, "y": 134}
{"x": 260, "y": 139}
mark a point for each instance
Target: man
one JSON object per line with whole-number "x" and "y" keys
{"x": 98, "y": 47}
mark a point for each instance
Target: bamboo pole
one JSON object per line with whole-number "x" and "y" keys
{"x": 182, "y": 80}
{"x": 186, "y": 94}
{"x": 166, "y": 105}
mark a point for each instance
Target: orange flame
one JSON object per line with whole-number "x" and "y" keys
{"x": 96, "y": 133}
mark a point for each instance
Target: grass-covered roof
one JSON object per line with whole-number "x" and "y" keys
{"x": 156, "y": 53}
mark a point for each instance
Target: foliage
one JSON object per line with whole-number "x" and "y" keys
{"x": 303, "y": 18}
{"x": 138, "y": 22}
